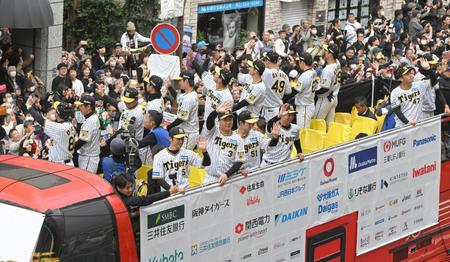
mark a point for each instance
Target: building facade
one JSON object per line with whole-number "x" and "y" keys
{"x": 217, "y": 21}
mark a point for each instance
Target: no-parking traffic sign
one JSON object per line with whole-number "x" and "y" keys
{"x": 165, "y": 38}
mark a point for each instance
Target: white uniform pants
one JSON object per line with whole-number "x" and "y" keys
{"x": 270, "y": 112}
{"x": 325, "y": 109}
{"x": 304, "y": 115}
{"x": 88, "y": 163}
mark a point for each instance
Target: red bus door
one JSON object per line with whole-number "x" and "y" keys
{"x": 334, "y": 241}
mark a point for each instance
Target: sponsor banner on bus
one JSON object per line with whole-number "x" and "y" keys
{"x": 391, "y": 181}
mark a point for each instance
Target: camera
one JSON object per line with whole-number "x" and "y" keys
{"x": 131, "y": 146}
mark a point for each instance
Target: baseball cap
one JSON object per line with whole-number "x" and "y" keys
{"x": 130, "y": 95}
{"x": 155, "y": 81}
{"x": 271, "y": 56}
{"x": 226, "y": 114}
{"x": 63, "y": 109}
{"x": 332, "y": 48}
{"x": 185, "y": 75}
{"x": 379, "y": 56}
{"x": 258, "y": 65}
{"x": 117, "y": 147}
{"x": 86, "y": 100}
{"x": 293, "y": 74}
{"x": 224, "y": 74}
{"x": 291, "y": 110}
{"x": 246, "y": 116}
{"x": 431, "y": 58}
{"x": 401, "y": 71}
{"x": 307, "y": 58}
{"x": 117, "y": 45}
{"x": 61, "y": 65}
{"x": 177, "y": 132}
{"x": 202, "y": 44}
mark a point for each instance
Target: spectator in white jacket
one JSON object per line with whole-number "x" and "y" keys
{"x": 130, "y": 39}
{"x": 351, "y": 26}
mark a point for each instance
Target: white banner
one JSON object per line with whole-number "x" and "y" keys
{"x": 264, "y": 217}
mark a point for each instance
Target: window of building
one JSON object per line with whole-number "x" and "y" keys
{"x": 360, "y": 8}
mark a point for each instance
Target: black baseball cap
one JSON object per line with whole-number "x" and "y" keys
{"x": 401, "y": 71}
{"x": 223, "y": 73}
{"x": 185, "y": 75}
{"x": 332, "y": 48}
{"x": 86, "y": 100}
{"x": 226, "y": 114}
{"x": 307, "y": 58}
{"x": 155, "y": 81}
{"x": 61, "y": 65}
{"x": 291, "y": 110}
{"x": 177, "y": 132}
{"x": 431, "y": 58}
{"x": 63, "y": 109}
{"x": 130, "y": 95}
{"x": 258, "y": 65}
{"x": 271, "y": 56}
{"x": 117, "y": 45}
{"x": 246, "y": 116}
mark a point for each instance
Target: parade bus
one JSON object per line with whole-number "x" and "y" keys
{"x": 381, "y": 198}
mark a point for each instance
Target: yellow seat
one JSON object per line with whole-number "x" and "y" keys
{"x": 343, "y": 118}
{"x": 311, "y": 140}
{"x": 319, "y": 125}
{"x": 337, "y": 134}
{"x": 363, "y": 125}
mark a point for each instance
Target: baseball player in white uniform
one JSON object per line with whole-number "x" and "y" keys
{"x": 254, "y": 142}
{"x": 172, "y": 163}
{"x": 305, "y": 89}
{"x": 154, "y": 98}
{"x": 409, "y": 94}
{"x": 62, "y": 133}
{"x": 329, "y": 86}
{"x": 284, "y": 135}
{"x": 226, "y": 147}
{"x": 88, "y": 143}
{"x": 277, "y": 85}
{"x": 132, "y": 116}
{"x": 187, "y": 113}
{"x": 252, "y": 96}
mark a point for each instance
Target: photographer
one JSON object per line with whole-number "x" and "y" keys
{"x": 118, "y": 161}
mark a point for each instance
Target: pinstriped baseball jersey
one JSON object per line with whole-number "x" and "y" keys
{"x": 254, "y": 144}
{"x": 306, "y": 88}
{"x": 330, "y": 79}
{"x": 213, "y": 96}
{"x": 254, "y": 94}
{"x": 224, "y": 151}
{"x": 282, "y": 151}
{"x": 63, "y": 140}
{"x": 90, "y": 133}
{"x": 277, "y": 85}
{"x": 165, "y": 163}
{"x": 127, "y": 115}
{"x": 187, "y": 111}
{"x": 155, "y": 104}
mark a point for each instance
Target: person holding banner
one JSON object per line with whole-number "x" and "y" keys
{"x": 284, "y": 135}
{"x": 172, "y": 163}
{"x": 225, "y": 145}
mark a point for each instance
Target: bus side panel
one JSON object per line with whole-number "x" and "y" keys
{"x": 126, "y": 241}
